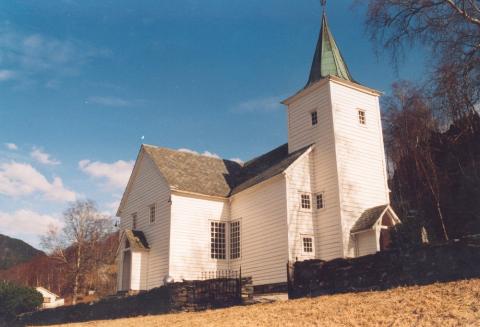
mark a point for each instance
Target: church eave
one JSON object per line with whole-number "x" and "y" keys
{"x": 315, "y": 86}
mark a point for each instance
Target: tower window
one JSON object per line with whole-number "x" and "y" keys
{"x": 305, "y": 201}
{"x": 134, "y": 221}
{"x": 362, "y": 117}
{"x": 320, "y": 200}
{"x": 152, "y": 214}
{"x": 314, "y": 117}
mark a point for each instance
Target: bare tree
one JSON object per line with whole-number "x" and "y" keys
{"x": 410, "y": 139}
{"x": 75, "y": 245}
{"x": 449, "y": 30}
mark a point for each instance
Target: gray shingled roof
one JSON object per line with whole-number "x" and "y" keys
{"x": 266, "y": 166}
{"x": 137, "y": 240}
{"x": 368, "y": 218}
{"x": 218, "y": 177}
{"x": 195, "y": 173}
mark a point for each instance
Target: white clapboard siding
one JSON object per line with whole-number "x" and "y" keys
{"x": 360, "y": 156}
{"x": 326, "y": 222}
{"x": 190, "y": 235}
{"x": 366, "y": 243}
{"x": 264, "y": 240}
{"x": 300, "y": 221}
{"x": 147, "y": 188}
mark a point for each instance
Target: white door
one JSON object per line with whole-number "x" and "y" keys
{"x": 127, "y": 270}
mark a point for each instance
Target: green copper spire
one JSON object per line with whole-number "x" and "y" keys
{"x": 327, "y": 59}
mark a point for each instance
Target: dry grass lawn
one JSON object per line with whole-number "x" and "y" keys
{"x": 448, "y": 304}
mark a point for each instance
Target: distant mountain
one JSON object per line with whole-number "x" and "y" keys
{"x": 14, "y": 251}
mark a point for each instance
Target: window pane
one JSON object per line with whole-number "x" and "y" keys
{"x": 362, "y": 117}
{"x": 152, "y": 214}
{"x": 314, "y": 117}
{"x": 134, "y": 221}
{"x": 307, "y": 244}
{"x": 218, "y": 240}
{"x": 235, "y": 240}
{"x": 305, "y": 201}
{"x": 320, "y": 201}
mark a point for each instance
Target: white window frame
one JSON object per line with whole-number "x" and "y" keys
{"x": 302, "y": 239}
{"x": 152, "y": 219}
{"x": 314, "y": 118}
{"x": 323, "y": 200}
{"x": 362, "y": 117}
{"x": 301, "y": 195}
{"x": 215, "y": 255}
{"x": 134, "y": 221}
{"x": 230, "y": 237}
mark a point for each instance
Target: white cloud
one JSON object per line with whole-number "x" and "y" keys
{"x": 20, "y": 179}
{"x": 31, "y": 58}
{"x": 211, "y": 155}
{"x": 204, "y": 153}
{"x": 11, "y": 146}
{"x": 6, "y": 75}
{"x": 115, "y": 174}
{"x": 237, "y": 160}
{"x": 108, "y": 101}
{"x": 267, "y": 104}
{"x": 26, "y": 224}
{"x": 43, "y": 157}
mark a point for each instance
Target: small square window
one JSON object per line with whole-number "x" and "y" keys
{"x": 314, "y": 117}
{"x": 305, "y": 201}
{"x": 320, "y": 200}
{"x": 362, "y": 117}
{"x": 308, "y": 244}
{"x": 134, "y": 221}
{"x": 152, "y": 214}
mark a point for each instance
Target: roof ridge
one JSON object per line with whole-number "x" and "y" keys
{"x": 263, "y": 155}
{"x": 190, "y": 152}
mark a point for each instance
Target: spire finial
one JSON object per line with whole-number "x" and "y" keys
{"x": 323, "y": 3}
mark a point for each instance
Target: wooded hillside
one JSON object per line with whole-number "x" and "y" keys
{"x": 14, "y": 251}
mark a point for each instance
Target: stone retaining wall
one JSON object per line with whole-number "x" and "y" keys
{"x": 185, "y": 296}
{"x": 458, "y": 259}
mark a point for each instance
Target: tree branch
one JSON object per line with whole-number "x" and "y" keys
{"x": 463, "y": 12}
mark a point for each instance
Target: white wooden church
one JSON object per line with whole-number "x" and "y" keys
{"x": 323, "y": 195}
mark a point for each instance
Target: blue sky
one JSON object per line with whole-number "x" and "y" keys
{"x": 84, "y": 83}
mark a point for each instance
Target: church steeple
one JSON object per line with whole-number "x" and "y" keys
{"x": 327, "y": 59}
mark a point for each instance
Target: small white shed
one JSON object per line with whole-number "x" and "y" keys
{"x": 50, "y": 300}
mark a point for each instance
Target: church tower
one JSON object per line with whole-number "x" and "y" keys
{"x": 341, "y": 118}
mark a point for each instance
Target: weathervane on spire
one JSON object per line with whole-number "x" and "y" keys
{"x": 323, "y": 3}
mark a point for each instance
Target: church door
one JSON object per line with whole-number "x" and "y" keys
{"x": 127, "y": 270}
{"x": 385, "y": 239}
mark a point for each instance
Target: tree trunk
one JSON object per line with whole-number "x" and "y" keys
{"x": 77, "y": 276}
{"x": 440, "y": 215}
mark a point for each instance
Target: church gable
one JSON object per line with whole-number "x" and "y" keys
{"x": 194, "y": 173}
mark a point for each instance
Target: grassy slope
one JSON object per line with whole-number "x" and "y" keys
{"x": 448, "y": 304}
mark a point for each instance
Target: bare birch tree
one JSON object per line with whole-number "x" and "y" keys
{"x": 410, "y": 139}
{"x": 75, "y": 245}
{"x": 449, "y": 30}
